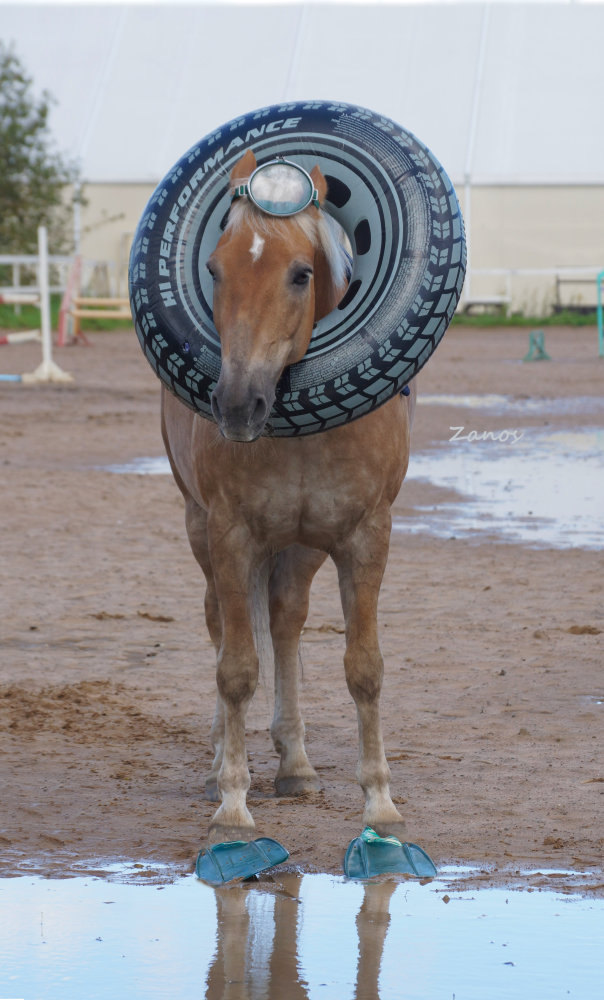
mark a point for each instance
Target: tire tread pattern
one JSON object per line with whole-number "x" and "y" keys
{"x": 189, "y": 366}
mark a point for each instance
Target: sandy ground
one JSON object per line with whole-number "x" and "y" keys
{"x": 493, "y": 651}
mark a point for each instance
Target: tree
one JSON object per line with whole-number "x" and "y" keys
{"x": 33, "y": 175}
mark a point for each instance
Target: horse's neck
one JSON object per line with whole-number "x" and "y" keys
{"x": 327, "y": 293}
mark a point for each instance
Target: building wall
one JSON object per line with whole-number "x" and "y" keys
{"x": 108, "y": 222}
{"x": 511, "y": 228}
{"x": 527, "y": 228}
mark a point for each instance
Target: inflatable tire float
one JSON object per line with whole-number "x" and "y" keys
{"x": 401, "y": 214}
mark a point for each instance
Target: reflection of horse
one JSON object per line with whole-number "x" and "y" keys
{"x": 273, "y": 916}
{"x": 263, "y": 513}
{"x": 257, "y": 952}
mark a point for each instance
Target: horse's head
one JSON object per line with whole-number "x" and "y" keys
{"x": 273, "y": 279}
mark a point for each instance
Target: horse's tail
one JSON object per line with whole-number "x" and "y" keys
{"x": 260, "y": 616}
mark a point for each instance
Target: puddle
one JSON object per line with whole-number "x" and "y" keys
{"x": 544, "y": 489}
{"x": 513, "y": 405}
{"x": 142, "y": 467}
{"x": 297, "y": 936}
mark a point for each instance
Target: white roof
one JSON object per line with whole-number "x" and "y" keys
{"x": 138, "y": 85}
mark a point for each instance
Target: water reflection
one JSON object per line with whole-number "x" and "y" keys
{"x": 373, "y": 921}
{"x": 259, "y": 952}
{"x": 256, "y": 951}
{"x": 313, "y": 936}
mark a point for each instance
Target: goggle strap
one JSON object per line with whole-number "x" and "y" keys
{"x": 241, "y": 191}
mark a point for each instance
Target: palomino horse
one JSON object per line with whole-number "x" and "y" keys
{"x": 263, "y": 513}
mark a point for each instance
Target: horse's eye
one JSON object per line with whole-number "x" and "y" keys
{"x": 302, "y": 276}
{"x": 212, "y": 271}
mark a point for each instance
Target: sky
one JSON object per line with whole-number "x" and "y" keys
{"x": 285, "y": 2}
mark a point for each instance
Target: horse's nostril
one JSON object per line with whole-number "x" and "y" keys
{"x": 215, "y": 407}
{"x": 259, "y": 414}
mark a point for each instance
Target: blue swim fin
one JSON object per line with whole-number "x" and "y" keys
{"x": 370, "y": 855}
{"x": 239, "y": 859}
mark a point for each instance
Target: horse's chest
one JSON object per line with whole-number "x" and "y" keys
{"x": 313, "y": 507}
{"x": 313, "y": 491}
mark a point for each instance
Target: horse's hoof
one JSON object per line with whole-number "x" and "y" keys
{"x": 297, "y": 785}
{"x": 223, "y": 834}
{"x": 212, "y": 793}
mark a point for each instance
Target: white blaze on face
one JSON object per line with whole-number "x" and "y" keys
{"x": 257, "y": 247}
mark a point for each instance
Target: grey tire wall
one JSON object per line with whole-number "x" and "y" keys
{"x": 401, "y": 214}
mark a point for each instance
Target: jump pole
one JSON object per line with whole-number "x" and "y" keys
{"x": 47, "y": 371}
{"x": 19, "y": 299}
{"x": 23, "y": 335}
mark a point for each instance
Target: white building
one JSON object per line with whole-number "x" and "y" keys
{"x": 509, "y": 96}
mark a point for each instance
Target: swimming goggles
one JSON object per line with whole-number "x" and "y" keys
{"x": 279, "y": 187}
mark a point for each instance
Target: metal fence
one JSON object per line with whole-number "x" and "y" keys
{"x": 532, "y": 291}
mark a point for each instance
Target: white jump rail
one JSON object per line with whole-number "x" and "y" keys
{"x": 22, "y": 336}
{"x": 47, "y": 370}
{"x": 15, "y": 299}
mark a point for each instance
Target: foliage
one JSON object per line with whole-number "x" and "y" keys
{"x": 567, "y": 317}
{"x": 28, "y": 317}
{"x": 33, "y": 176}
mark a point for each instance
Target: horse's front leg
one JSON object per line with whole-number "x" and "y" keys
{"x": 233, "y": 558}
{"x": 289, "y": 588}
{"x": 196, "y": 520}
{"x": 361, "y": 561}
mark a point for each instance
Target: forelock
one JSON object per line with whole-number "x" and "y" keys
{"x": 319, "y": 228}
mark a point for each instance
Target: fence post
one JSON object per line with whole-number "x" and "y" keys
{"x": 600, "y": 280}
{"x": 44, "y": 296}
{"x": 16, "y": 275}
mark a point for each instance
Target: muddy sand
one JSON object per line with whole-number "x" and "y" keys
{"x": 492, "y": 704}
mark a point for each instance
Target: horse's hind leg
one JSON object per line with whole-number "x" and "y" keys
{"x": 289, "y": 588}
{"x": 196, "y": 520}
{"x": 361, "y": 561}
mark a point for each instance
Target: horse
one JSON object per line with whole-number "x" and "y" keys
{"x": 263, "y": 513}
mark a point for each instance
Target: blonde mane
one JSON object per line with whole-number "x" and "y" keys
{"x": 318, "y": 227}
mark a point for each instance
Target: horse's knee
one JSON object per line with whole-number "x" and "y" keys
{"x": 364, "y": 677}
{"x": 237, "y": 681}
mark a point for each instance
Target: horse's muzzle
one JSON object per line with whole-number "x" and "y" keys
{"x": 240, "y": 408}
